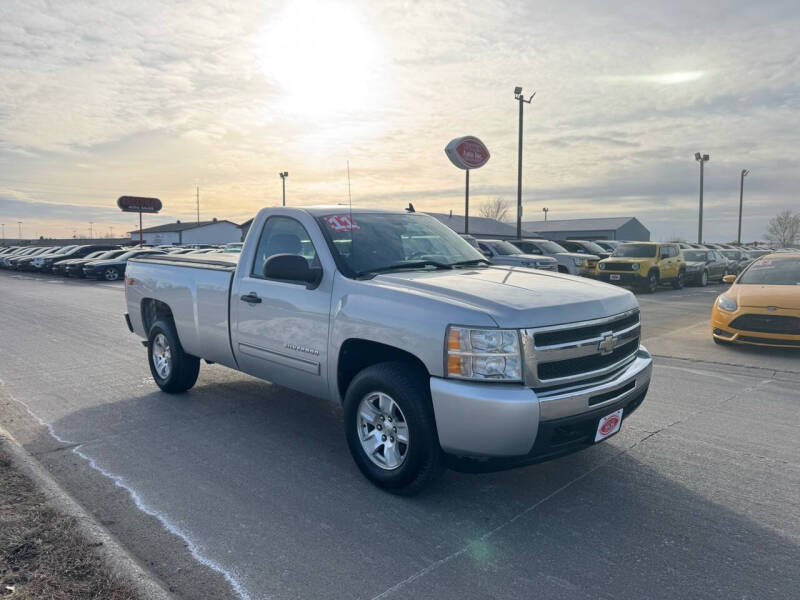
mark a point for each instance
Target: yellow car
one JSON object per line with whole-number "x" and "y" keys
{"x": 762, "y": 307}
{"x": 644, "y": 266}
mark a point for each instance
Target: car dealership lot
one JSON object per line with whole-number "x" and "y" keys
{"x": 241, "y": 487}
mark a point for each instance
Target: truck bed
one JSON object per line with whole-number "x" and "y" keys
{"x": 197, "y": 290}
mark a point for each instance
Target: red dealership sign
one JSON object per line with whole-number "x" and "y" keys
{"x": 137, "y": 204}
{"x": 467, "y": 152}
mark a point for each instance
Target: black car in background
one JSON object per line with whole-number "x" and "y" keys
{"x": 74, "y": 267}
{"x": 738, "y": 260}
{"x": 703, "y": 266}
{"x": 584, "y": 247}
{"x": 45, "y": 264}
{"x": 5, "y": 259}
{"x": 114, "y": 268}
{"x": 22, "y": 263}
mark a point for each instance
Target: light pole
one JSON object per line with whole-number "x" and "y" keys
{"x": 544, "y": 210}
{"x": 702, "y": 159}
{"x": 91, "y": 233}
{"x": 745, "y": 173}
{"x": 284, "y": 175}
{"x": 518, "y": 95}
{"x": 3, "y": 225}
{"x": 19, "y": 224}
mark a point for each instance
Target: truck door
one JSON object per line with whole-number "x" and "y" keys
{"x": 279, "y": 329}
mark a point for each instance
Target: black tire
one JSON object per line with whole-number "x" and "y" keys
{"x": 408, "y": 387}
{"x": 111, "y": 274}
{"x": 183, "y": 367}
{"x": 680, "y": 280}
{"x": 703, "y": 279}
{"x": 563, "y": 269}
{"x": 651, "y": 285}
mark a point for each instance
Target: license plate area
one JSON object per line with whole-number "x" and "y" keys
{"x": 608, "y": 425}
{"x": 614, "y": 277}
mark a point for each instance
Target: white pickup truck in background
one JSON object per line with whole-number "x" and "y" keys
{"x": 439, "y": 358}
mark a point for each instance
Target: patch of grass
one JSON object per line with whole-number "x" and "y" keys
{"x": 42, "y": 552}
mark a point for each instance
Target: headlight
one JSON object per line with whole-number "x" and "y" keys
{"x": 485, "y": 354}
{"x": 635, "y": 267}
{"x": 578, "y": 262}
{"x": 726, "y": 304}
{"x": 601, "y": 266}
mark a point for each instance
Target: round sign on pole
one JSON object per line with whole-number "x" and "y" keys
{"x": 467, "y": 152}
{"x": 139, "y": 204}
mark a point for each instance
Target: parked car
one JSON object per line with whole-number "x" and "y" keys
{"x": 24, "y": 263}
{"x": 471, "y": 240}
{"x": 703, "y": 266}
{"x": 585, "y": 247}
{"x": 500, "y": 252}
{"x": 568, "y": 262}
{"x": 5, "y": 259}
{"x": 113, "y": 269}
{"x": 235, "y": 248}
{"x": 45, "y": 263}
{"x": 608, "y": 245}
{"x": 60, "y": 266}
{"x": 644, "y": 266}
{"x": 74, "y": 267}
{"x": 737, "y": 260}
{"x": 437, "y": 359}
{"x": 762, "y": 306}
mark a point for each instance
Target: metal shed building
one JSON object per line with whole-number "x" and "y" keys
{"x": 479, "y": 227}
{"x": 204, "y": 232}
{"x": 600, "y": 228}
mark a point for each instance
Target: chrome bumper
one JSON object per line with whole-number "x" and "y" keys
{"x": 502, "y": 420}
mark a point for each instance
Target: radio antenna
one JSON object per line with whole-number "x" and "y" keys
{"x": 350, "y": 198}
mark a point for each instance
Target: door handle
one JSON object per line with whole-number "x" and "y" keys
{"x": 251, "y": 298}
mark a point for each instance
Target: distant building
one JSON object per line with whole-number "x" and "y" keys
{"x": 600, "y": 228}
{"x": 479, "y": 227}
{"x": 245, "y": 227}
{"x": 204, "y": 232}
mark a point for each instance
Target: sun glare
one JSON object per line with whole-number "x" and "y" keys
{"x": 676, "y": 77}
{"x": 323, "y": 56}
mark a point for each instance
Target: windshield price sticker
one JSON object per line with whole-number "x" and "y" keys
{"x": 341, "y": 223}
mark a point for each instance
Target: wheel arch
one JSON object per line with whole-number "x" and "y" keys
{"x": 356, "y": 354}
{"x": 155, "y": 310}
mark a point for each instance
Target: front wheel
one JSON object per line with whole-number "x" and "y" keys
{"x": 174, "y": 370}
{"x": 390, "y": 427}
{"x": 704, "y": 279}
{"x": 651, "y": 285}
{"x": 679, "y": 281}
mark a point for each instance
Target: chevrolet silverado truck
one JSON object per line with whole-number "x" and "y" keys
{"x": 438, "y": 358}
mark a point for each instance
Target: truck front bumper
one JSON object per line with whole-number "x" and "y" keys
{"x": 491, "y": 425}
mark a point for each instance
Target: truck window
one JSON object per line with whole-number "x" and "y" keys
{"x": 282, "y": 235}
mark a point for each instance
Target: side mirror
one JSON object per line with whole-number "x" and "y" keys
{"x": 729, "y": 278}
{"x": 293, "y": 268}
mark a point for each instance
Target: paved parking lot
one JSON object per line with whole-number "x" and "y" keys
{"x": 244, "y": 489}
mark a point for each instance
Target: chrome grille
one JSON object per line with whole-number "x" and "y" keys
{"x": 580, "y": 352}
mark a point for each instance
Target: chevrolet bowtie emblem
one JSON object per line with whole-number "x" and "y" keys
{"x": 608, "y": 344}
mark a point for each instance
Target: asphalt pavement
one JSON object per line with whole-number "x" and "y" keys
{"x": 243, "y": 489}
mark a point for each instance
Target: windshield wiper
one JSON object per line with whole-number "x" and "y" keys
{"x": 473, "y": 261}
{"x": 408, "y": 265}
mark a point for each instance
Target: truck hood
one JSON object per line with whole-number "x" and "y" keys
{"x": 517, "y": 297}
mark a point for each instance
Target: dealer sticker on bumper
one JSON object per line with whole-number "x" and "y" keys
{"x": 614, "y": 277}
{"x": 608, "y": 425}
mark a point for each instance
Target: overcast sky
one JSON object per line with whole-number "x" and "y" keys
{"x": 100, "y": 99}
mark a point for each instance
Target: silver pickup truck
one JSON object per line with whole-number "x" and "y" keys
{"x": 438, "y": 358}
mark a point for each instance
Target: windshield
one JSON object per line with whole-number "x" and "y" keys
{"x": 592, "y": 247}
{"x": 550, "y": 247}
{"x": 695, "y": 256}
{"x": 773, "y": 271}
{"x": 369, "y": 242}
{"x": 106, "y": 255}
{"x": 66, "y": 249}
{"x": 504, "y": 248}
{"x": 635, "y": 251}
{"x": 732, "y": 254}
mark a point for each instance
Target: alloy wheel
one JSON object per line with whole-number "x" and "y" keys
{"x": 162, "y": 356}
{"x": 382, "y": 430}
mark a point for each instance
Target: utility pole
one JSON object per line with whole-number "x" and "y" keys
{"x": 702, "y": 159}
{"x": 3, "y": 225}
{"x": 518, "y": 95}
{"x": 284, "y": 175}
{"x": 91, "y": 233}
{"x": 19, "y": 223}
{"x": 197, "y": 187}
{"x": 545, "y": 210}
{"x": 745, "y": 172}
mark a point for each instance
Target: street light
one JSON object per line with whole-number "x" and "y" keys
{"x": 545, "y": 210}
{"x": 91, "y": 233}
{"x": 702, "y": 159}
{"x": 284, "y": 175}
{"x": 745, "y": 173}
{"x": 19, "y": 224}
{"x": 521, "y": 99}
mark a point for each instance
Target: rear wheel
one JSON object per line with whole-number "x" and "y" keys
{"x": 111, "y": 274}
{"x": 651, "y": 284}
{"x": 173, "y": 369}
{"x": 704, "y": 279}
{"x": 390, "y": 427}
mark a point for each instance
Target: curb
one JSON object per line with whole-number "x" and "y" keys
{"x": 120, "y": 561}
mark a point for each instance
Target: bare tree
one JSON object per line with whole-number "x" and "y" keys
{"x": 784, "y": 228}
{"x": 494, "y": 209}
